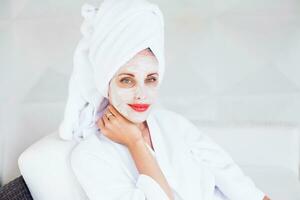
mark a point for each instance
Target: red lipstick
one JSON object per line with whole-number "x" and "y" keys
{"x": 139, "y": 107}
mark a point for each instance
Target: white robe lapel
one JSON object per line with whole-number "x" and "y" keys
{"x": 185, "y": 176}
{"x": 161, "y": 152}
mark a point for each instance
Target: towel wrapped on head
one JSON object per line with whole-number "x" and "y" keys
{"x": 112, "y": 35}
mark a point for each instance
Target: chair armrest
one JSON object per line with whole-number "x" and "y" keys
{"x": 15, "y": 190}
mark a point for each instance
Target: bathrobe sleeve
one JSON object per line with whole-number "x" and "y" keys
{"x": 229, "y": 177}
{"x": 102, "y": 178}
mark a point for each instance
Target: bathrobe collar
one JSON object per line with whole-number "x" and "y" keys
{"x": 161, "y": 151}
{"x": 168, "y": 162}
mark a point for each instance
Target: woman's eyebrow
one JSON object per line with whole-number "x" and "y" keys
{"x": 133, "y": 74}
{"x": 152, "y": 74}
{"x": 126, "y": 74}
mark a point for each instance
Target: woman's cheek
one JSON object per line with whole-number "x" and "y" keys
{"x": 152, "y": 95}
{"x": 120, "y": 98}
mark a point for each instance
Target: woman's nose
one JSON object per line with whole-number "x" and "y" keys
{"x": 140, "y": 93}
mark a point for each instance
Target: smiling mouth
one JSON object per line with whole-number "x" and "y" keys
{"x": 139, "y": 107}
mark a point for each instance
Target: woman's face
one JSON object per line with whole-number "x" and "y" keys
{"x": 134, "y": 87}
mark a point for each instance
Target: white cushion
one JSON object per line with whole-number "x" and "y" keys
{"x": 46, "y": 169}
{"x": 278, "y": 182}
{"x": 258, "y": 144}
{"x": 269, "y": 154}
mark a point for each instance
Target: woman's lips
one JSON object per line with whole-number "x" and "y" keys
{"x": 139, "y": 107}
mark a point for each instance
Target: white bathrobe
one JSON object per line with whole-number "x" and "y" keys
{"x": 195, "y": 167}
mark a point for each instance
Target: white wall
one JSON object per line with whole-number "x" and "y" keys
{"x": 241, "y": 59}
{"x": 233, "y": 61}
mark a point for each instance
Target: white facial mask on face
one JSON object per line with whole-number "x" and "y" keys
{"x": 140, "y": 89}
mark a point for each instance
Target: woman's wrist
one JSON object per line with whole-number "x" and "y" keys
{"x": 134, "y": 143}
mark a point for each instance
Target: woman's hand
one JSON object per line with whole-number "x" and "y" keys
{"x": 119, "y": 129}
{"x": 266, "y": 198}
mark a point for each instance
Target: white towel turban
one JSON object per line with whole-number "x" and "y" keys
{"x": 112, "y": 34}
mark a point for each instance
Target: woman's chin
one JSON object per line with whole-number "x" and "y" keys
{"x": 136, "y": 121}
{"x": 134, "y": 116}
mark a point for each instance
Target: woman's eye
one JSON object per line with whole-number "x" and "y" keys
{"x": 126, "y": 80}
{"x": 151, "y": 79}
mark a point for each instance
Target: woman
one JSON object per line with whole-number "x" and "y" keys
{"x": 128, "y": 148}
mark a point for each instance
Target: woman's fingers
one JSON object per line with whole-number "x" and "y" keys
{"x": 105, "y": 120}
{"x": 114, "y": 111}
{"x": 100, "y": 123}
{"x": 102, "y": 126}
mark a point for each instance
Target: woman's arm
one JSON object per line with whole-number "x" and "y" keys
{"x": 147, "y": 165}
{"x": 101, "y": 175}
{"x": 120, "y": 130}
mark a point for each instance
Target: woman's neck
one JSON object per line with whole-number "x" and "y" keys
{"x": 143, "y": 127}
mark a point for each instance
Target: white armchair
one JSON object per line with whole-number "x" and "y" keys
{"x": 268, "y": 154}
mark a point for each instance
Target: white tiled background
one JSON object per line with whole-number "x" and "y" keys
{"x": 227, "y": 61}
